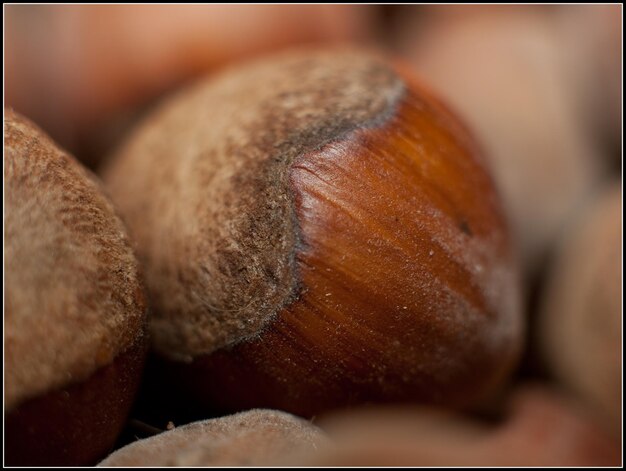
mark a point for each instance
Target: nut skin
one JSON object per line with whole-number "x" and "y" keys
{"x": 406, "y": 288}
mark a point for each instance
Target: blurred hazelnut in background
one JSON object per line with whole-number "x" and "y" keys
{"x": 581, "y": 320}
{"x": 257, "y": 437}
{"x": 515, "y": 77}
{"x": 540, "y": 427}
{"x": 590, "y": 38}
{"x": 82, "y": 72}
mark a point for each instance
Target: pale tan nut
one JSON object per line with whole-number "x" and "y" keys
{"x": 504, "y": 69}
{"x": 253, "y": 438}
{"x": 590, "y": 38}
{"x": 540, "y": 428}
{"x": 580, "y": 328}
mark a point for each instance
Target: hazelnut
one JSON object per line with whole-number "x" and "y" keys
{"x": 85, "y": 72}
{"x": 590, "y": 38}
{"x": 540, "y": 428}
{"x": 252, "y": 438}
{"x": 580, "y": 328}
{"x": 317, "y": 232}
{"x": 74, "y": 313}
{"x": 502, "y": 69}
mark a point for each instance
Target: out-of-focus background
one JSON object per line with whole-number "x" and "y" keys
{"x": 540, "y": 86}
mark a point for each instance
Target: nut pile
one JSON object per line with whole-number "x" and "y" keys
{"x": 310, "y": 258}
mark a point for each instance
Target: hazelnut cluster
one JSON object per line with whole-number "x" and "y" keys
{"x": 308, "y": 258}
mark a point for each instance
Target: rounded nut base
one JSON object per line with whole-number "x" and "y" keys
{"x": 77, "y": 425}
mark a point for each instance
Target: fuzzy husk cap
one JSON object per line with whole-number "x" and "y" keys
{"x": 204, "y": 187}
{"x": 72, "y": 293}
{"x": 253, "y": 438}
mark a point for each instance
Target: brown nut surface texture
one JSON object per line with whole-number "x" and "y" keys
{"x": 253, "y": 438}
{"x": 75, "y": 308}
{"x": 541, "y": 428}
{"x": 580, "y": 332}
{"x": 318, "y": 232}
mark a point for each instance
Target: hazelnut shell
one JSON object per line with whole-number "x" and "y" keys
{"x": 318, "y": 231}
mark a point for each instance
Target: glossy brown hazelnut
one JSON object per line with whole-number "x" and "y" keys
{"x": 252, "y": 438}
{"x": 580, "y": 323}
{"x": 74, "y": 312}
{"x": 317, "y": 232}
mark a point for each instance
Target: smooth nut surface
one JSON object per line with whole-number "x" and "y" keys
{"x": 540, "y": 428}
{"x": 252, "y": 438}
{"x": 580, "y": 333}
